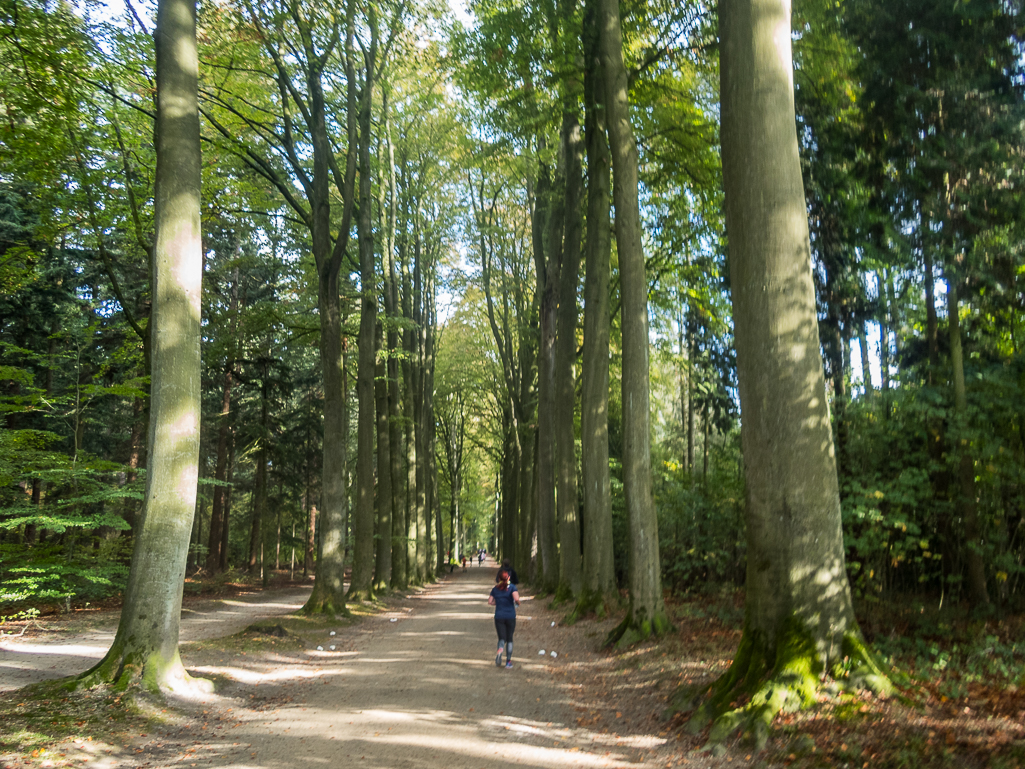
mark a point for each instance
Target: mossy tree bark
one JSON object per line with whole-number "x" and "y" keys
{"x": 647, "y": 614}
{"x": 599, "y": 581}
{"x": 146, "y": 644}
{"x": 799, "y": 620}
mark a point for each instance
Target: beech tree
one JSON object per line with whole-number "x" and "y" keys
{"x": 799, "y": 621}
{"x": 146, "y": 644}
{"x": 647, "y": 613}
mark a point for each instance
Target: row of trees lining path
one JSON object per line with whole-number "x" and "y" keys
{"x": 308, "y": 159}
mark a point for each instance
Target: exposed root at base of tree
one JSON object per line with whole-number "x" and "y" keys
{"x": 588, "y": 602}
{"x": 360, "y": 596}
{"x": 563, "y": 594}
{"x": 322, "y": 602}
{"x": 634, "y": 629}
{"x": 766, "y": 687}
{"x": 152, "y": 671}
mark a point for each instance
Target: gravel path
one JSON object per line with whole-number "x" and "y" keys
{"x": 54, "y": 649}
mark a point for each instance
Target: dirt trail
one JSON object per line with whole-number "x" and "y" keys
{"x": 414, "y": 687}
{"x": 68, "y": 646}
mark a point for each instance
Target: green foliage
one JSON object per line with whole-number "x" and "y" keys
{"x": 701, "y": 521}
{"x": 50, "y": 574}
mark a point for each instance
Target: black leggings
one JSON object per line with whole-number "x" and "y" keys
{"x": 505, "y": 628}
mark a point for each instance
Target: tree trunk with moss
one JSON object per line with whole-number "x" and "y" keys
{"x": 146, "y": 644}
{"x": 647, "y": 614}
{"x": 798, "y": 616}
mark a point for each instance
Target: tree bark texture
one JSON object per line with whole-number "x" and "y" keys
{"x": 383, "y": 565}
{"x": 146, "y": 643}
{"x": 647, "y": 613}
{"x": 546, "y": 231}
{"x": 565, "y": 361}
{"x": 599, "y": 580}
{"x": 967, "y": 502}
{"x": 797, "y": 590}
{"x": 361, "y": 587}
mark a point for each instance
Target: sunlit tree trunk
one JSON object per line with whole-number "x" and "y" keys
{"x": 146, "y": 644}
{"x": 647, "y": 613}
{"x": 798, "y": 614}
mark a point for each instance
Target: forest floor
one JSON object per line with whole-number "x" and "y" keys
{"x": 411, "y": 682}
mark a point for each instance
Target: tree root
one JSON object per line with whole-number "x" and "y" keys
{"x": 323, "y": 602}
{"x": 563, "y": 595}
{"x": 635, "y": 629}
{"x": 152, "y": 671}
{"x": 360, "y": 596}
{"x": 788, "y": 683}
{"x": 588, "y": 602}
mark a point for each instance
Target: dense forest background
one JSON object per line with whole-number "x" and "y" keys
{"x": 437, "y": 140}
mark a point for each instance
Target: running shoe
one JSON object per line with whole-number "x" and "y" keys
{"x": 498, "y": 660}
{"x": 508, "y": 666}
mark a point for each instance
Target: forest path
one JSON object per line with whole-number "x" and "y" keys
{"x": 416, "y": 686}
{"x": 54, "y": 649}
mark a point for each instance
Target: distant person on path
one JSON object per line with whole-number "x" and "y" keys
{"x": 505, "y": 599}
{"x": 480, "y": 559}
{"x": 464, "y": 563}
{"x": 510, "y": 571}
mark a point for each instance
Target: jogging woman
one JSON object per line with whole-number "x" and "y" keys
{"x": 505, "y": 599}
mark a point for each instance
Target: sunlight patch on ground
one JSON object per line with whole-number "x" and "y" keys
{"x": 70, "y": 650}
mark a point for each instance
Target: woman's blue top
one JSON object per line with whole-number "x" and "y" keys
{"x": 505, "y": 608}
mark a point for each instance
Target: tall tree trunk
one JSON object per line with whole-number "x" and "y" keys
{"x": 507, "y": 549}
{"x": 866, "y": 365}
{"x": 388, "y": 211}
{"x": 260, "y": 492}
{"x": 383, "y": 565}
{"x": 546, "y": 228}
{"x": 968, "y": 501}
{"x": 220, "y": 473}
{"x": 599, "y": 579}
{"x": 884, "y": 340}
{"x": 430, "y": 423}
{"x": 146, "y": 644}
{"x": 328, "y": 595}
{"x": 361, "y": 587}
{"x": 409, "y": 562}
{"x": 798, "y": 614}
{"x": 647, "y": 614}
{"x": 226, "y": 513}
{"x": 565, "y": 360}
{"x": 418, "y": 412}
